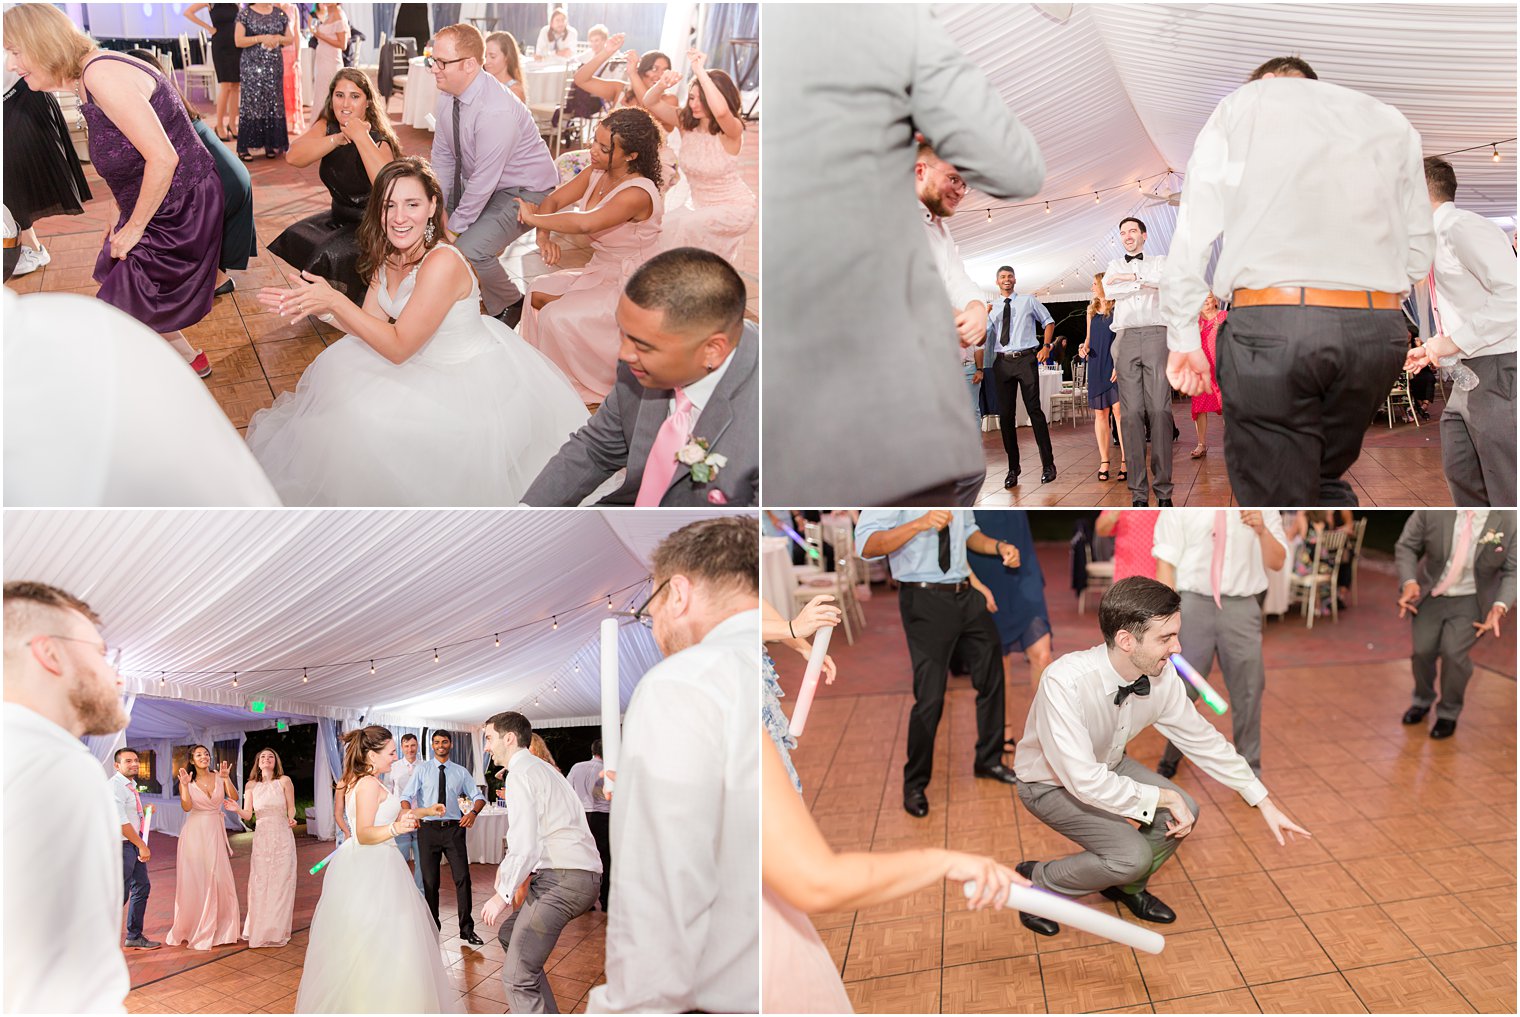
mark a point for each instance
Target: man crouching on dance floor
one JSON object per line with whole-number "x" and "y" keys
{"x": 1073, "y": 773}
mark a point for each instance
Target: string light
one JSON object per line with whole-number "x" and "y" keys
{"x": 989, "y": 215}
{"x": 1096, "y": 199}
{"x": 498, "y": 638}
{"x": 304, "y": 679}
{"x": 1496, "y": 153}
{"x": 234, "y": 679}
{"x": 555, "y": 620}
{"x": 1047, "y": 208}
{"x": 435, "y": 655}
{"x": 372, "y": 667}
{"x": 609, "y": 602}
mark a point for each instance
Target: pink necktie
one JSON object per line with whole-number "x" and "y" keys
{"x": 1435, "y": 312}
{"x": 1458, "y": 557}
{"x": 661, "y": 465}
{"x": 138, "y": 799}
{"x": 1216, "y": 566}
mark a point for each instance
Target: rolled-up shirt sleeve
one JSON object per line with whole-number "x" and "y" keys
{"x": 1200, "y": 741}
{"x": 1167, "y": 539}
{"x": 1068, "y": 751}
{"x": 126, "y": 807}
{"x": 1488, "y": 258}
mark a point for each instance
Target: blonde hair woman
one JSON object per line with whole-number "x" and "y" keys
{"x": 1102, "y": 381}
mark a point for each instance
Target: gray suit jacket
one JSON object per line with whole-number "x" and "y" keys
{"x": 623, "y": 431}
{"x": 866, "y": 399}
{"x": 1426, "y": 544}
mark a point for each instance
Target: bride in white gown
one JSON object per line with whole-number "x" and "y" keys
{"x": 365, "y": 888}
{"x": 426, "y": 401}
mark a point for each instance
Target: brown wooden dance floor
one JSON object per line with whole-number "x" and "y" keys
{"x": 1405, "y": 900}
{"x": 235, "y": 979}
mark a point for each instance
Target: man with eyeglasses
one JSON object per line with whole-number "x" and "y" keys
{"x": 63, "y": 866}
{"x": 487, "y": 152}
{"x": 685, "y": 831}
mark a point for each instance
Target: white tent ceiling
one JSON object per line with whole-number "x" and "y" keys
{"x": 1118, "y": 93}
{"x": 192, "y": 596}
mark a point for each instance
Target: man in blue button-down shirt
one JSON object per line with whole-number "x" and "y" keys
{"x": 942, "y": 605}
{"x": 1016, "y": 351}
{"x": 438, "y": 836}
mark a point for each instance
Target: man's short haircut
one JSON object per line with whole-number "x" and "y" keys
{"x": 441, "y": 733}
{"x": 27, "y": 605}
{"x": 1137, "y": 222}
{"x": 467, "y": 40}
{"x": 1132, "y": 604}
{"x": 596, "y": 747}
{"x": 724, "y": 552}
{"x": 1005, "y": 268}
{"x": 408, "y": 738}
{"x": 122, "y": 752}
{"x": 1440, "y": 179}
{"x": 1288, "y": 66}
{"x": 697, "y": 290}
{"x": 513, "y": 723}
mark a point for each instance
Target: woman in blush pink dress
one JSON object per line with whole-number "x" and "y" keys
{"x": 722, "y": 208}
{"x": 290, "y": 59}
{"x": 205, "y": 898}
{"x": 571, "y": 314}
{"x": 1209, "y": 320}
{"x": 271, "y": 804}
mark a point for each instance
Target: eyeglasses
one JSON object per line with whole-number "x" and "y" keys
{"x": 112, "y": 654}
{"x": 431, "y": 61}
{"x": 638, "y": 613}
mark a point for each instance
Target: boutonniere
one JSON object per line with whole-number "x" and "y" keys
{"x": 142, "y": 788}
{"x": 704, "y": 465}
{"x": 1492, "y": 537}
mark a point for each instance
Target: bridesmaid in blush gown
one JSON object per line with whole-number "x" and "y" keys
{"x": 271, "y": 804}
{"x": 205, "y": 897}
{"x": 722, "y": 208}
{"x": 570, "y": 313}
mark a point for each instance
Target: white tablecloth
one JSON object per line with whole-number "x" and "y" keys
{"x": 1277, "y": 582}
{"x": 1050, "y": 384}
{"x": 421, "y": 93}
{"x": 545, "y": 83}
{"x": 484, "y": 837}
{"x": 776, "y": 573}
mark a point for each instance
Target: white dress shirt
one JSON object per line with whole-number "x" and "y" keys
{"x": 63, "y": 878}
{"x": 683, "y": 930}
{"x": 1475, "y": 282}
{"x": 959, "y": 285}
{"x": 1075, "y": 736}
{"x": 399, "y": 778}
{"x": 1136, "y": 305}
{"x": 1311, "y": 184}
{"x": 586, "y": 780}
{"x": 1465, "y": 585}
{"x": 546, "y": 826}
{"x": 1185, "y": 538}
{"x": 128, "y": 802}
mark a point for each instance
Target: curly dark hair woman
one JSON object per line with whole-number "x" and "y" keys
{"x": 638, "y": 135}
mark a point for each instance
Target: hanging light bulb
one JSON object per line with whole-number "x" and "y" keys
{"x": 555, "y": 626}
{"x": 989, "y": 215}
{"x": 498, "y": 638}
{"x": 435, "y": 655}
{"x": 1138, "y": 187}
{"x": 1496, "y": 153}
{"x": 304, "y": 679}
{"x": 162, "y": 681}
{"x": 577, "y": 669}
{"x": 234, "y": 679}
{"x": 1047, "y": 208}
{"x": 372, "y": 667}
{"x": 609, "y": 602}
{"x": 1096, "y": 199}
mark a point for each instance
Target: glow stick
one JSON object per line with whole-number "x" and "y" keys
{"x": 810, "y": 679}
{"x": 319, "y": 866}
{"x": 611, "y": 703}
{"x": 797, "y": 539}
{"x": 1068, "y": 912}
{"x": 1205, "y": 691}
{"x": 147, "y": 822}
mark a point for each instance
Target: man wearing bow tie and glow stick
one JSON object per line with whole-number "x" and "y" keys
{"x": 1073, "y": 773}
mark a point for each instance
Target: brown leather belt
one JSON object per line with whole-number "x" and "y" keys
{"x": 11, "y": 242}
{"x": 1304, "y": 296}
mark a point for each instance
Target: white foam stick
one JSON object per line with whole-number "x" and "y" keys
{"x": 1068, "y": 912}
{"x": 611, "y": 704}
{"x": 147, "y": 822}
{"x": 810, "y": 679}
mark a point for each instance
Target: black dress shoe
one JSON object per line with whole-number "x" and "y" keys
{"x": 996, "y": 772}
{"x": 1163, "y": 503}
{"x": 225, "y": 288}
{"x": 1048, "y": 474}
{"x": 1415, "y": 714}
{"x": 1034, "y": 923}
{"x": 1142, "y": 905}
{"x": 1012, "y": 480}
{"x": 1166, "y": 768}
{"x": 1443, "y": 728}
{"x": 916, "y": 803}
{"x": 512, "y": 314}
{"x": 472, "y": 939}
{"x": 1140, "y": 503}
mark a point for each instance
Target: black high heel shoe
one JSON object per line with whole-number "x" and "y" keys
{"x": 1103, "y": 470}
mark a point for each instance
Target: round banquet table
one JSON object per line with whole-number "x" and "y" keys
{"x": 776, "y": 573}
{"x": 484, "y": 837}
{"x": 544, "y": 84}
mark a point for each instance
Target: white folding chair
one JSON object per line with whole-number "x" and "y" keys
{"x": 203, "y": 74}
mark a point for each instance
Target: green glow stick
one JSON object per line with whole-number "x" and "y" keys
{"x": 1190, "y": 674}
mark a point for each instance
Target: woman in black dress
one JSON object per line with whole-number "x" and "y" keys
{"x": 353, "y": 138}
{"x": 227, "y": 61}
{"x": 41, "y": 172}
{"x": 261, "y": 30}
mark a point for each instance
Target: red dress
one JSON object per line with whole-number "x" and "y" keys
{"x": 1209, "y": 402}
{"x": 1134, "y": 537}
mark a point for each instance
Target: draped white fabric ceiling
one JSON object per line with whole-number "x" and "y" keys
{"x": 1119, "y": 92}
{"x": 199, "y": 594}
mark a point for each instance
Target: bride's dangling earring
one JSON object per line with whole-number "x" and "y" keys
{"x": 427, "y": 233}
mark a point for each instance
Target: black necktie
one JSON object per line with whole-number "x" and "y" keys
{"x": 944, "y": 548}
{"x": 1141, "y": 687}
{"x": 1007, "y": 312}
{"x": 458, "y": 164}
{"x": 1127, "y": 258}
{"x": 443, "y": 787}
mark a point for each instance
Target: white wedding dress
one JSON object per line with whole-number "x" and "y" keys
{"x": 373, "y": 947}
{"x": 469, "y": 419}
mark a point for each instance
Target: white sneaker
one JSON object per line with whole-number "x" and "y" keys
{"x": 31, "y": 260}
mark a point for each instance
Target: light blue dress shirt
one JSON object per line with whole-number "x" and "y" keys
{"x": 423, "y": 790}
{"x": 917, "y": 561}
{"x": 1025, "y": 314}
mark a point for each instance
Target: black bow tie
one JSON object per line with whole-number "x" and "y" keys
{"x": 1141, "y": 687}
{"x": 1134, "y": 257}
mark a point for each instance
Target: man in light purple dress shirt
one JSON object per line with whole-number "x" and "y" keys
{"x": 486, "y": 152}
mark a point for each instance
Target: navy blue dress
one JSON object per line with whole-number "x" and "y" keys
{"x": 1101, "y": 392}
{"x": 1022, "y": 617}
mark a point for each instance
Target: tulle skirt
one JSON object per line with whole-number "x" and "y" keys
{"x": 373, "y": 946}
{"x": 471, "y": 428}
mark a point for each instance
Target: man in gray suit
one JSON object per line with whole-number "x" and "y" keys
{"x": 866, "y": 396}
{"x": 684, "y": 416}
{"x": 1451, "y": 564}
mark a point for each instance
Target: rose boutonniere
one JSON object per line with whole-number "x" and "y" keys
{"x": 1493, "y": 537}
{"x": 703, "y": 464}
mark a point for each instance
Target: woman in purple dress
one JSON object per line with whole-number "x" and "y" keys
{"x": 158, "y": 263}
